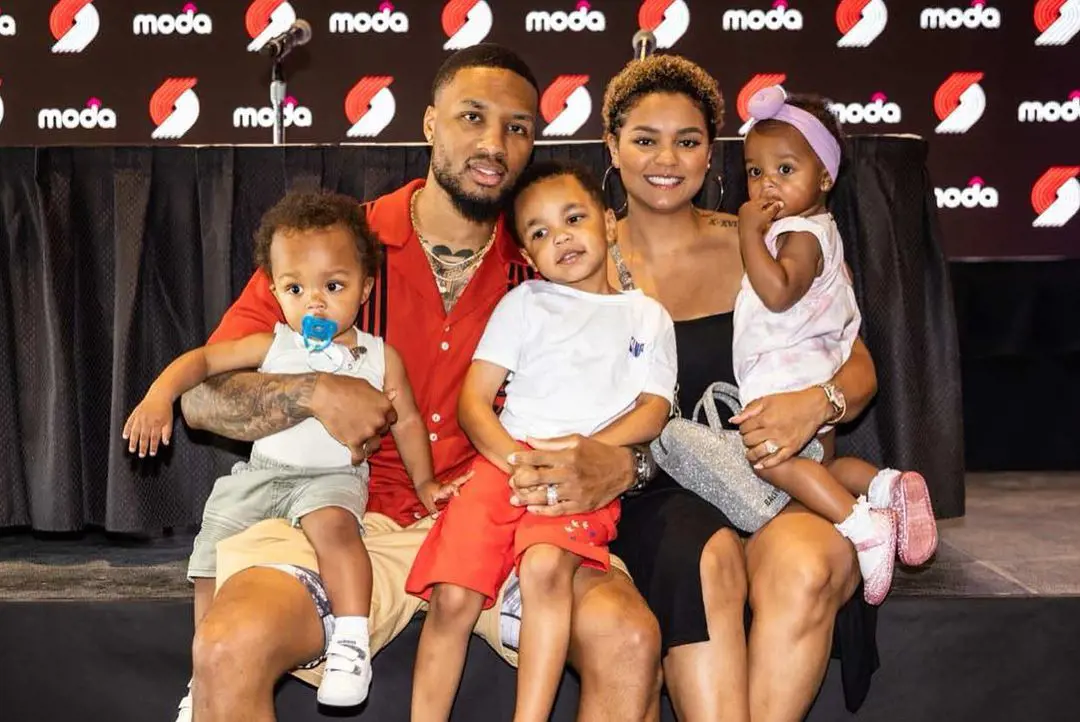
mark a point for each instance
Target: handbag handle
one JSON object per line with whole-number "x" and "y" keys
{"x": 718, "y": 391}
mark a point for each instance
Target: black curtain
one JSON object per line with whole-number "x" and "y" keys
{"x": 1019, "y": 325}
{"x": 116, "y": 260}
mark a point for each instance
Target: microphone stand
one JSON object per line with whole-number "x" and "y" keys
{"x": 277, "y": 99}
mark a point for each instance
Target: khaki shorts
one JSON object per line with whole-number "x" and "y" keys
{"x": 392, "y": 550}
{"x": 261, "y": 489}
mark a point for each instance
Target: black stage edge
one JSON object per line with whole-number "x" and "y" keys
{"x": 942, "y": 659}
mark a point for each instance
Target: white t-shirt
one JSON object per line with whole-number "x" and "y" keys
{"x": 309, "y": 444}
{"x": 577, "y": 360}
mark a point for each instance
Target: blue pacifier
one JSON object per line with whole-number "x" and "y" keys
{"x": 318, "y": 332}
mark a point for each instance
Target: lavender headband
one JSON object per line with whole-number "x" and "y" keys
{"x": 769, "y": 104}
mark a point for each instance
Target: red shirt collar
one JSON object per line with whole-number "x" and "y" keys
{"x": 396, "y": 228}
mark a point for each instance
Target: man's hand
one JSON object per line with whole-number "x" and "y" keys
{"x": 586, "y": 474}
{"x": 757, "y": 216}
{"x": 435, "y": 496}
{"x": 354, "y": 412}
{"x": 788, "y": 420}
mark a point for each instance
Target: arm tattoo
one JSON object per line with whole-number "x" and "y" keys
{"x": 247, "y": 406}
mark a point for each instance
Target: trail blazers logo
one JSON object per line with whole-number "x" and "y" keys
{"x": 466, "y": 23}
{"x": 74, "y": 24}
{"x": 1058, "y": 21}
{"x": 174, "y": 108}
{"x": 1056, "y": 196}
{"x": 667, "y": 19}
{"x": 959, "y": 103}
{"x": 266, "y": 19}
{"x": 860, "y": 22}
{"x": 566, "y": 105}
{"x": 370, "y": 106}
{"x": 756, "y": 83}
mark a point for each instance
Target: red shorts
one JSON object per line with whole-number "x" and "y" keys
{"x": 479, "y": 537}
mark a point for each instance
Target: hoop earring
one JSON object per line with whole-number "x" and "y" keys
{"x": 604, "y": 188}
{"x": 702, "y": 194}
{"x": 720, "y": 200}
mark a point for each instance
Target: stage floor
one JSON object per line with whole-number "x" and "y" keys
{"x": 1020, "y": 537}
{"x": 986, "y": 633}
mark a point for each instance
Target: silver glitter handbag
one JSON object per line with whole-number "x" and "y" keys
{"x": 710, "y": 461}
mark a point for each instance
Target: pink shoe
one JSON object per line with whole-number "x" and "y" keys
{"x": 877, "y": 557}
{"x": 917, "y": 536}
{"x": 873, "y": 534}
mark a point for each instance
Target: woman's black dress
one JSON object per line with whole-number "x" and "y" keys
{"x": 663, "y": 530}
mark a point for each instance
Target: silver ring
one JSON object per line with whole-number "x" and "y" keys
{"x": 363, "y": 447}
{"x": 552, "y": 495}
{"x": 771, "y": 447}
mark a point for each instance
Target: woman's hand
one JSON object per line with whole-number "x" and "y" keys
{"x": 586, "y": 475}
{"x": 775, "y": 428}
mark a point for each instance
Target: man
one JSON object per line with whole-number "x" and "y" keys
{"x": 448, "y": 262}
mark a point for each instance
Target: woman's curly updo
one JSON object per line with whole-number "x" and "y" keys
{"x": 662, "y": 74}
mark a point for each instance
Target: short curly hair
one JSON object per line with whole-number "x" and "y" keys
{"x": 662, "y": 74}
{"x": 306, "y": 210}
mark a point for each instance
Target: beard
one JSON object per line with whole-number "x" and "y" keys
{"x": 476, "y": 208}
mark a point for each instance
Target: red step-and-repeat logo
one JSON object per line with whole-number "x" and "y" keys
{"x": 959, "y": 102}
{"x": 1056, "y": 196}
{"x": 174, "y": 108}
{"x": 860, "y": 22}
{"x": 466, "y": 23}
{"x": 565, "y": 105}
{"x": 369, "y": 106}
{"x": 668, "y": 20}
{"x": 1058, "y": 21}
{"x": 74, "y": 25}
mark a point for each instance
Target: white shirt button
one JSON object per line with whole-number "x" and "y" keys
{"x": 436, "y": 418}
{"x": 446, "y": 329}
{"x": 417, "y": 515}
{"x": 444, "y": 346}
{"x": 433, "y": 436}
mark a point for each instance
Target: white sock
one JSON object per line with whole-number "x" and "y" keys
{"x": 352, "y": 628}
{"x": 858, "y": 525}
{"x": 880, "y": 492}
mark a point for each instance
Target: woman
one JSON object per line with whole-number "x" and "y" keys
{"x": 696, "y": 573}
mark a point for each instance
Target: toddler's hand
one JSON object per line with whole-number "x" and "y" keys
{"x": 150, "y": 423}
{"x": 434, "y": 495}
{"x": 758, "y": 215}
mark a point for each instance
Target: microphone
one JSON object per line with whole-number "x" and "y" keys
{"x": 299, "y": 33}
{"x": 644, "y": 44}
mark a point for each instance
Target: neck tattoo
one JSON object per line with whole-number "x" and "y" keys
{"x": 452, "y": 269}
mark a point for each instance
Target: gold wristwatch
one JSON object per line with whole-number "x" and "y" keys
{"x": 836, "y": 400}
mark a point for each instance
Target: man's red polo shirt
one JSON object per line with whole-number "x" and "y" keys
{"x": 406, "y": 310}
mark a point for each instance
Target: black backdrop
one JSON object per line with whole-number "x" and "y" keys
{"x": 1001, "y": 76}
{"x": 115, "y": 260}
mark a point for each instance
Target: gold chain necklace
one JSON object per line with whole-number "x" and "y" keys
{"x": 448, "y": 272}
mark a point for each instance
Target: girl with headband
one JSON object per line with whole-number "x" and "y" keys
{"x": 796, "y": 320}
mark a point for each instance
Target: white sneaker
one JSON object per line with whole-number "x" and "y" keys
{"x": 184, "y": 713}
{"x": 347, "y": 676}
